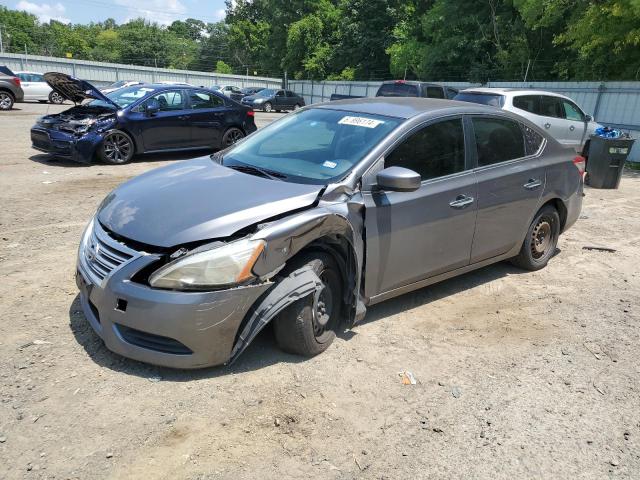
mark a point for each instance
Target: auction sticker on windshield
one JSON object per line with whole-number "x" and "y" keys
{"x": 360, "y": 122}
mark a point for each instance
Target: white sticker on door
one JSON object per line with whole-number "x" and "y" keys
{"x": 360, "y": 122}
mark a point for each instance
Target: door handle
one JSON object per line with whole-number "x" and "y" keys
{"x": 183, "y": 117}
{"x": 461, "y": 201}
{"x": 532, "y": 184}
{"x": 572, "y": 128}
{"x": 547, "y": 125}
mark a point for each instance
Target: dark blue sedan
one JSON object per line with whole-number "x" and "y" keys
{"x": 138, "y": 119}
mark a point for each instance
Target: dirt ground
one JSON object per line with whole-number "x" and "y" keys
{"x": 520, "y": 375}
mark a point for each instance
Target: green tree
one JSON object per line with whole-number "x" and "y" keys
{"x": 222, "y": 67}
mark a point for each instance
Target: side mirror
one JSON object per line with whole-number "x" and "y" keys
{"x": 153, "y": 107}
{"x": 588, "y": 118}
{"x": 398, "y": 179}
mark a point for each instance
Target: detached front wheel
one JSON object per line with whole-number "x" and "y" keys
{"x": 309, "y": 326}
{"x": 117, "y": 148}
{"x": 540, "y": 243}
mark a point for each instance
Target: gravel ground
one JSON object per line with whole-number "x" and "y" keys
{"x": 519, "y": 375}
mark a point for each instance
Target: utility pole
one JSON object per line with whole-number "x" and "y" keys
{"x": 527, "y": 71}
{"x": 1, "y": 44}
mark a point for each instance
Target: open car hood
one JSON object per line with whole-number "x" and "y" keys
{"x": 197, "y": 200}
{"x": 75, "y": 89}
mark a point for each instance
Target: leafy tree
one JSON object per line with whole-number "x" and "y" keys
{"x": 222, "y": 67}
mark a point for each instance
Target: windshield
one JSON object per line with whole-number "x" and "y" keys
{"x": 316, "y": 146}
{"x": 397, "y": 90}
{"x": 123, "y": 97}
{"x": 491, "y": 99}
{"x": 118, "y": 84}
{"x": 267, "y": 92}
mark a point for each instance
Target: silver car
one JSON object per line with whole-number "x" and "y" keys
{"x": 309, "y": 221}
{"x": 558, "y": 115}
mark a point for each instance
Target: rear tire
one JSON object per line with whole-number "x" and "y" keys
{"x": 308, "y": 326}
{"x": 231, "y": 136}
{"x": 540, "y": 243}
{"x": 296, "y": 107}
{"x": 117, "y": 148}
{"x": 267, "y": 107}
{"x": 6, "y": 101}
{"x": 56, "y": 98}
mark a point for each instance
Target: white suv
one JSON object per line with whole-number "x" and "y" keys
{"x": 555, "y": 113}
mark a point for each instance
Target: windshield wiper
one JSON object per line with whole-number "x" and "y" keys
{"x": 262, "y": 172}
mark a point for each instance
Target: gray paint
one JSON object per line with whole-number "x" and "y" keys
{"x": 387, "y": 243}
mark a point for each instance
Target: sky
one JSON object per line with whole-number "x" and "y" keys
{"x": 84, "y": 11}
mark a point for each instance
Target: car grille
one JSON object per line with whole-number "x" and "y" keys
{"x": 151, "y": 341}
{"x": 102, "y": 254}
{"x": 40, "y": 139}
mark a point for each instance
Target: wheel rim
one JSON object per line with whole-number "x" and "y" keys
{"x": 267, "y": 108}
{"x": 117, "y": 148}
{"x": 323, "y": 307}
{"x": 5, "y": 101}
{"x": 541, "y": 238}
{"x": 233, "y": 136}
{"x": 56, "y": 97}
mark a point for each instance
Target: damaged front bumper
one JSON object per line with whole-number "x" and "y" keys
{"x": 66, "y": 144}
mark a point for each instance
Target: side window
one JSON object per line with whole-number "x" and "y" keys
{"x": 572, "y": 112}
{"x": 36, "y": 77}
{"x": 551, "y": 106}
{"x": 22, "y": 76}
{"x": 434, "y": 151}
{"x": 497, "y": 140}
{"x": 451, "y": 92}
{"x": 435, "y": 92}
{"x": 528, "y": 103}
{"x": 290, "y": 93}
{"x": 169, "y": 101}
{"x": 280, "y": 93}
{"x": 532, "y": 140}
{"x": 200, "y": 100}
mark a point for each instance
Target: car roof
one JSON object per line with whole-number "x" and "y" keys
{"x": 406, "y": 107}
{"x": 506, "y": 91}
{"x": 410, "y": 82}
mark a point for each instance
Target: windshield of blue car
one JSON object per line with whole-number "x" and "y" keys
{"x": 267, "y": 92}
{"x": 317, "y": 146}
{"x": 123, "y": 97}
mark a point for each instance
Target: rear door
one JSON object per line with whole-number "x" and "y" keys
{"x": 280, "y": 100}
{"x": 41, "y": 89}
{"x": 207, "y": 118}
{"x": 411, "y": 236}
{"x": 28, "y": 87}
{"x": 510, "y": 182}
{"x": 169, "y": 128}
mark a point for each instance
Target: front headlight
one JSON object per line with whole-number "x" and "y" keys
{"x": 84, "y": 240}
{"x": 226, "y": 265}
{"x": 258, "y": 100}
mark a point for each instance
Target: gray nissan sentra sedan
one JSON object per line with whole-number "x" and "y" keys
{"x": 312, "y": 219}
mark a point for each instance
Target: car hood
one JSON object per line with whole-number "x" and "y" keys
{"x": 197, "y": 200}
{"x": 75, "y": 89}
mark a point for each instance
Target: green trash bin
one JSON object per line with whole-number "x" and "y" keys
{"x": 606, "y": 159}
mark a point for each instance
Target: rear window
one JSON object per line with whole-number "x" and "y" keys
{"x": 491, "y": 99}
{"x": 497, "y": 140}
{"x": 435, "y": 92}
{"x": 397, "y": 90}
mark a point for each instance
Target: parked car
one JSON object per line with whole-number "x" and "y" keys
{"x": 560, "y": 116}
{"x": 35, "y": 88}
{"x": 406, "y": 88}
{"x": 269, "y": 99}
{"x": 120, "y": 84}
{"x": 10, "y": 89}
{"x": 138, "y": 119}
{"x": 315, "y": 217}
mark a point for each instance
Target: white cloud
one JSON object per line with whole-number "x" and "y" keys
{"x": 219, "y": 14}
{"x": 163, "y": 12}
{"x": 44, "y": 11}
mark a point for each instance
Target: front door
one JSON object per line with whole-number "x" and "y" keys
{"x": 170, "y": 127}
{"x": 411, "y": 236}
{"x": 207, "y": 118}
{"x": 510, "y": 184}
{"x": 575, "y": 123}
{"x": 552, "y": 118}
{"x": 280, "y": 100}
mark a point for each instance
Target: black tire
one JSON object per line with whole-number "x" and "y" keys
{"x": 296, "y": 107}
{"x": 267, "y": 107}
{"x": 56, "y": 98}
{"x": 231, "y": 136}
{"x": 309, "y": 326}
{"x": 6, "y": 101}
{"x": 117, "y": 148}
{"x": 540, "y": 243}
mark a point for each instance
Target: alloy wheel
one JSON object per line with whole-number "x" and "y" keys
{"x": 55, "y": 97}
{"x": 541, "y": 238}
{"x": 232, "y": 137}
{"x": 267, "y": 107}
{"x": 117, "y": 148}
{"x": 6, "y": 101}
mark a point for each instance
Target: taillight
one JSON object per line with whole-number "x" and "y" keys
{"x": 16, "y": 80}
{"x": 580, "y": 162}
{"x": 251, "y": 113}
